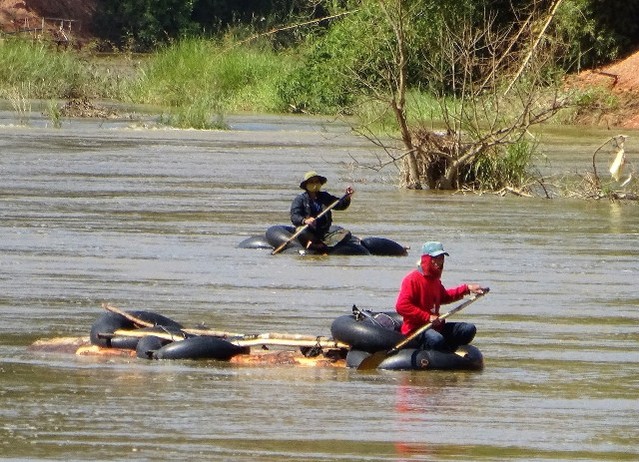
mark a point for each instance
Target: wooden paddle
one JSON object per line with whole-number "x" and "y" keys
{"x": 303, "y": 228}
{"x": 376, "y": 358}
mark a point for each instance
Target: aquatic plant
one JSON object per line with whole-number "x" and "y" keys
{"x": 21, "y": 104}
{"x": 202, "y": 114}
{"x": 55, "y": 114}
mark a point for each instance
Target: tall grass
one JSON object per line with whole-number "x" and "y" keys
{"x": 203, "y": 114}
{"x": 195, "y": 70}
{"x": 195, "y": 81}
{"x": 40, "y": 72}
{"x": 20, "y": 103}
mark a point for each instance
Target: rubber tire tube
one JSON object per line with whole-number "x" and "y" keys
{"x": 255, "y": 242}
{"x": 467, "y": 357}
{"x": 350, "y": 247}
{"x": 204, "y": 347}
{"x": 363, "y": 334}
{"x": 384, "y": 247}
{"x": 147, "y": 346}
{"x": 278, "y": 234}
{"x": 109, "y": 322}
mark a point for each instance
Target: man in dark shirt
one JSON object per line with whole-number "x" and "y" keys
{"x": 312, "y": 202}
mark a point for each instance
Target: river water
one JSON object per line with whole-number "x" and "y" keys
{"x": 151, "y": 218}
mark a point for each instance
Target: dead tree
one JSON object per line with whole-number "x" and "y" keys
{"x": 479, "y": 118}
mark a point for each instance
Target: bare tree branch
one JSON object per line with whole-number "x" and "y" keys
{"x": 553, "y": 11}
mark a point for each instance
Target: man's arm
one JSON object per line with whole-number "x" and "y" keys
{"x": 407, "y": 306}
{"x": 343, "y": 204}
{"x": 298, "y": 212}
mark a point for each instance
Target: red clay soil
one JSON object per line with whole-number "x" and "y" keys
{"x": 621, "y": 78}
{"x": 24, "y": 15}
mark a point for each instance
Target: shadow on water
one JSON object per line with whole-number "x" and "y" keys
{"x": 151, "y": 219}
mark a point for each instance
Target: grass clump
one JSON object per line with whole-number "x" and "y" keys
{"x": 202, "y": 114}
{"x": 41, "y": 73}
{"x": 49, "y": 74}
{"x": 510, "y": 168}
{"x": 19, "y": 102}
{"x": 194, "y": 74}
{"x": 37, "y": 72}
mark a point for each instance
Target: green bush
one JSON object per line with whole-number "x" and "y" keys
{"x": 503, "y": 166}
{"x": 358, "y": 54}
{"x": 145, "y": 23}
{"x": 324, "y": 82}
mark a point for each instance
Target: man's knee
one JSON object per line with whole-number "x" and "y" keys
{"x": 432, "y": 340}
{"x": 466, "y": 332}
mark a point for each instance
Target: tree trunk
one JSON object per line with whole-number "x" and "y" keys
{"x": 411, "y": 176}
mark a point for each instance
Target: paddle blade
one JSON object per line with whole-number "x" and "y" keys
{"x": 373, "y": 361}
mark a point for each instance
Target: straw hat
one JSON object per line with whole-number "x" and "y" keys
{"x": 309, "y": 175}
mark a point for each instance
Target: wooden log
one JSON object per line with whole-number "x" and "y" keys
{"x": 81, "y": 346}
{"x": 286, "y": 358}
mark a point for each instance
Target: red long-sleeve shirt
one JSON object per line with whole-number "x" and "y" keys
{"x": 419, "y": 297}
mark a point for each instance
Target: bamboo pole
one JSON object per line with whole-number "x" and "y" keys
{"x": 274, "y": 339}
{"x": 553, "y": 11}
{"x": 143, "y": 323}
{"x": 270, "y": 338}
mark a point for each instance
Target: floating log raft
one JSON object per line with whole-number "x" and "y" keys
{"x": 82, "y": 346}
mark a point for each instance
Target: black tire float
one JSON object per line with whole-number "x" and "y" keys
{"x": 204, "y": 347}
{"x": 384, "y": 247}
{"x": 109, "y": 322}
{"x": 466, "y": 357}
{"x": 255, "y": 242}
{"x": 279, "y": 234}
{"x": 364, "y": 334}
{"x": 147, "y": 346}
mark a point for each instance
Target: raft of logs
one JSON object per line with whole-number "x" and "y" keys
{"x": 266, "y": 349}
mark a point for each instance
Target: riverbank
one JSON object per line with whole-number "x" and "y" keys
{"x": 612, "y": 90}
{"x": 618, "y": 84}
{"x": 69, "y": 22}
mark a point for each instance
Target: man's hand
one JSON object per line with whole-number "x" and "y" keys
{"x": 475, "y": 289}
{"x": 349, "y": 191}
{"x": 436, "y": 321}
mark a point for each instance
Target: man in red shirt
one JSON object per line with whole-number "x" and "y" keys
{"x": 421, "y": 295}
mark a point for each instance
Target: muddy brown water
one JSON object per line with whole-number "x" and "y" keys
{"x": 150, "y": 219}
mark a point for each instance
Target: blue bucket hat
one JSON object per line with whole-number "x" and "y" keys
{"x": 434, "y": 249}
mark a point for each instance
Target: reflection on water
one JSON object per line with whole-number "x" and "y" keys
{"x": 151, "y": 219}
